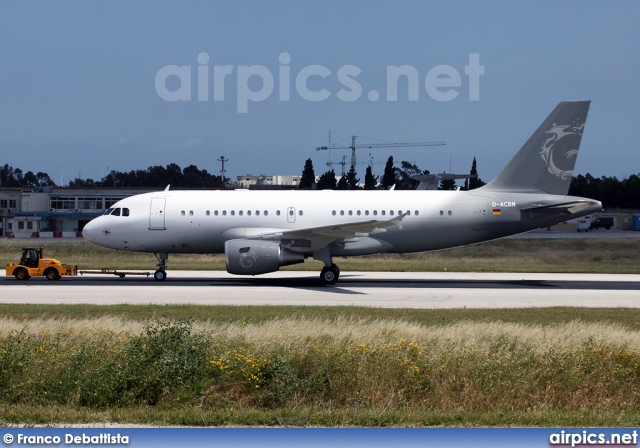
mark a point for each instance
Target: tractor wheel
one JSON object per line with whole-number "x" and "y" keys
{"x": 51, "y": 274}
{"x": 21, "y": 274}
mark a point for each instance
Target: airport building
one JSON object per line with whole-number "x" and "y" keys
{"x": 262, "y": 180}
{"x": 54, "y": 211}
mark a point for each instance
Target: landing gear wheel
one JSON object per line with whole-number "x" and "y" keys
{"x": 51, "y": 274}
{"x": 329, "y": 275}
{"x": 21, "y": 274}
{"x": 160, "y": 275}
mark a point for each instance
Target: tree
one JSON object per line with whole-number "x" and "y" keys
{"x": 327, "y": 181}
{"x": 308, "y": 176}
{"x": 474, "y": 182}
{"x": 403, "y": 176}
{"x": 449, "y": 184}
{"x": 389, "y": 176}
{"x": 352, "y": 180}
{"x": 370, "y": 181}
{"x": 342, "y": 183}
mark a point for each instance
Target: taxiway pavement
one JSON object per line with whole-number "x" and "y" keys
{"x": 372, "y": 289}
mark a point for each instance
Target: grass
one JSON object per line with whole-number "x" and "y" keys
{"x": 316, "y": 366}
{"x": 328, "y": 366}
{"x": 505, "y": 255}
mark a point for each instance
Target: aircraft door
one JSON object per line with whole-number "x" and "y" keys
{"x": 156, "y": 215}
{"x": 291, "y": 214}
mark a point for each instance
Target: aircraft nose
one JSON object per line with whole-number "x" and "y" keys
{"x": 90, "y": 231}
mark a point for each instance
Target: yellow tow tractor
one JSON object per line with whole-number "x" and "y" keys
{"x": 32, "y": 263}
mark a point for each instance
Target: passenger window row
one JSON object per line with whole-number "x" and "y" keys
{"x": 232, "y": 213}
{"x": 373, "y": 212}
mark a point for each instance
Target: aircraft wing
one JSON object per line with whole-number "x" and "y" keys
{"x": 314, "y": 238}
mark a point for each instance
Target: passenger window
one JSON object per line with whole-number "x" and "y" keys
{"x": 383, "y": 212}
{"x": 300, "y": 212}
{"x": 366, "y": 212}
{"x": 375, "y": 213}
{"x": 417, "y": 212}
{"x": 341, "y": 212}
{"x": 116, "y": 212}
{"x": 358, "y": 213}
{"x": 290, "y": 212}
{"x": 266, "y": 213}
{"x": 208, "y": 213}
{"x": 449, "y": 213}
{"x": 391, "y": 212}
{"x": 277, "y": 212}
{"x": 233, "y": 212}
{"x": 248, "y": 212}
{"x": 224, "y": 213}
{"x": 182, "y": 212}
{"x": 190, "y": 212}
{"x": 215, "y": 213}
{"x": 333, "y": 213}
{"x": 257, "y": 212}
{"x": 350, "y": 213}
{"x": 441, "y": 212}
{"x": 240, "y": 213}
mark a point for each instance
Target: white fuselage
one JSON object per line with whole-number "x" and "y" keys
{"x": 202, "y": 221}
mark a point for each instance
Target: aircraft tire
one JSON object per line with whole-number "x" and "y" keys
{"x": 160, "y": 275}
{"x": 329, "y": 275}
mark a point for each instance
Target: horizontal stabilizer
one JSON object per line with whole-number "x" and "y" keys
{"x": 569, "y": 210}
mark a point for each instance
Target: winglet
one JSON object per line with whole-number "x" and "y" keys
{"x": 167, "y": 189}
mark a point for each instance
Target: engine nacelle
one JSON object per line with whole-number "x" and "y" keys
{"x": 252, "y": 257}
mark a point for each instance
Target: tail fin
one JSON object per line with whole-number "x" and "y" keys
{"x": 546, "y": 161}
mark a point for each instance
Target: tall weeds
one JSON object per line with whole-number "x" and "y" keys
{"x": 380, "y": 365}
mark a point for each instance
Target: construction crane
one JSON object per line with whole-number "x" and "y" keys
{"x": 353, "y": 146}
{"x": 343, "y": 162}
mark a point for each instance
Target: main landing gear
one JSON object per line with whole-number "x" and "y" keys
{"x": 160, "y": 275}
{"x": 331, "y": 272}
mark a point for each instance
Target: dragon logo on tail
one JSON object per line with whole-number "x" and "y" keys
{"x": 547, "y": 153}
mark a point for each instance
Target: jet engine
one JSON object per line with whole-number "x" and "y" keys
{"x": 252, "y": 257}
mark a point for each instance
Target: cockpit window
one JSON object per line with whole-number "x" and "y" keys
{"x": 125, "y": 212}
{"x": 108, "y": 212}
{"x": 116, "y": 212}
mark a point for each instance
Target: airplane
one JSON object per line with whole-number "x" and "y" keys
{"x": 260, "y": 231}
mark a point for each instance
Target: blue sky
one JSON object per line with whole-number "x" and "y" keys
{"x": 78, "y": 88}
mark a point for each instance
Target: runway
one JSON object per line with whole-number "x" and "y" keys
{"x": 372, "y": 289}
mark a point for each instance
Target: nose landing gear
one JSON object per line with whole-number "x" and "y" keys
{"x": 160, "y": 275}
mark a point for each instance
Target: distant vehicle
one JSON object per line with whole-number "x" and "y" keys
{"x": 584, "y": 223}
{"x": 606, "y": 222}
{"x": 33, "y": 263}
